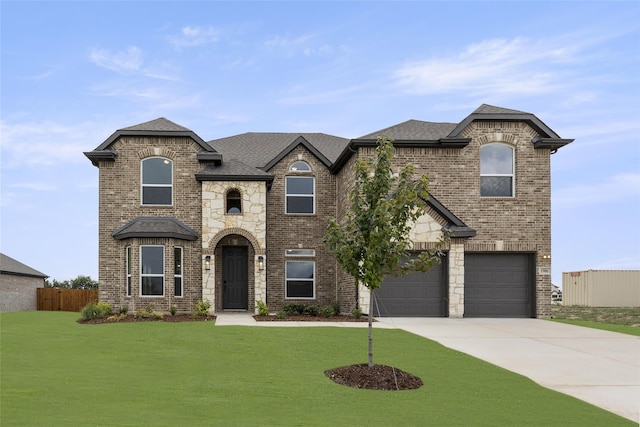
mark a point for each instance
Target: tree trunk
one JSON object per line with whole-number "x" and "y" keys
{"x": 371, "y": 328}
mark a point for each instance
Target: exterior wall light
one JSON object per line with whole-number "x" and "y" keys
{"x": 207, "y": 262}
{"x": 260, "y": 263}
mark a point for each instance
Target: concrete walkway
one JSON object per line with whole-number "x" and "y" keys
{"x": 599, "y": 367}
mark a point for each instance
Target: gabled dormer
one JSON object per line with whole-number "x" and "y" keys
{"x": 160, "y": 127}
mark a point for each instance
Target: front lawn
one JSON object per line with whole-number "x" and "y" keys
{"x": 58, "y": 372}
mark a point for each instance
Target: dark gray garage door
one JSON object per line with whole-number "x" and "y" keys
{"x": 499, "y": 285}
{"x": 414, "y": 295}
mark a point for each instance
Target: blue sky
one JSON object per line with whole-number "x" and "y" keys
{"x": 74, "y": 72}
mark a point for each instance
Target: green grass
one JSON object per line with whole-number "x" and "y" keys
{"x": 57, "y": 372}
{"x": 625, "y": 320}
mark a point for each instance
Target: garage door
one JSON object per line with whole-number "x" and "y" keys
{"x": 414, "y": 295}
{"x": 499, "y": 285}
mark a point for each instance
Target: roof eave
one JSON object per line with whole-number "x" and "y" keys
{"x": 550, "y": 143}
{"x": 160, "y": 234}
{"x": 97, "y": 155}
{"x": 207, "y": 177}
{"x": 209, "y": 156}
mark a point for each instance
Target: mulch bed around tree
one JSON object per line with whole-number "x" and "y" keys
{"x": 308, "y": 318}
{"x": 377, "y": 377}
{"x": 166, "y": 318}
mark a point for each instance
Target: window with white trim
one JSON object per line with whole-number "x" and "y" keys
{"x": 300, "y": 275}
{"x": 177, "y": 272}
{"x": 152, "y": 271}
{"x": 299, "y": 166}
{"x": 497, "y": 177}
{"x": 156, "y": 181}
{"x": 300, "y": 194}
{"x": 128, "y": 269}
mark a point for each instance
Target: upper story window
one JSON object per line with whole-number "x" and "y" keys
{"x": 234, "y": 202}
{"x": 157, "y": 181}
{"x": 299, "y": 166}
{"x": 300, "y": 194}
{"x": 497, "y": 170}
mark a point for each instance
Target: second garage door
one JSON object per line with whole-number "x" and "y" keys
{"x": 499, "y": 285}
{"x": 414, "y": 295}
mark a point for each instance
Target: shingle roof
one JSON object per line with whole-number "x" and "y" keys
{"x": 155, "y": 227}
{"x": 414, "y": 129}
{"x": 233, "y": 170}
{"x": 258, "y": 149}
{"x": 492, "y": 109}
{"x": 9, "y": 265}
{"x": 158, "y": 125}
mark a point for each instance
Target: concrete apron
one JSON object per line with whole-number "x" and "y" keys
{"x": 598, "y": 367}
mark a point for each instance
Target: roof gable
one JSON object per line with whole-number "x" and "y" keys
{"x": 157, "y": 127}
{"x": 9, "y": 265}
{"x": 264, "y": 149}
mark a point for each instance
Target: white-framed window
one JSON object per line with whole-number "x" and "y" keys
{"x": 300, "y": 275}
{"x": 497, "y": 178}
{"x": 177, "y": 272}
{"x": 156, "y": 181}
{"x": 152, "y": 271}
{"x": 234, "y": 202}
{"x": 300, "y": 278}
{"x": 300, "y": 252}
{"x": 299, "y": 166}
{"x": 127, "y": 252}
{"x": 300, "y": 195}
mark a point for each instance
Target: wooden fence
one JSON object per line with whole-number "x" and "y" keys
{"x": 57, "y": 299}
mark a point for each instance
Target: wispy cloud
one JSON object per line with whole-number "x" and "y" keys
{"x": 195, "y": 36}
{"x": 123, "y": 62}
{"x": 498, "y": 66}
{"x": 32, "y": 144}
{"x": 305, "y": 45}
{"x": 617, "y": 187}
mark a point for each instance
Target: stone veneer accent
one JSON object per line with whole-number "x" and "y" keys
{"x": 219, "y": 227}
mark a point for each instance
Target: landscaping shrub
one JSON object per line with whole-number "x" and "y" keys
{"x": 93, "y": 311}
{"x": 173, "y": 310}
{"x": 327, "y": 311}
{"x": 311, "y": 310}
{"x": 335, "y": 305}
{"x": 292, "y": 308}
{"x": 263, "y": 310}
{"x": 356, "y": 313}
{"x": 201, "y": 308}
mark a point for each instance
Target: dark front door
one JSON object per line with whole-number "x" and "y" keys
{"x": 235, "y": 284}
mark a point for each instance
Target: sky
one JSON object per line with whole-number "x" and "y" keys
{"x": 74, "y": 72}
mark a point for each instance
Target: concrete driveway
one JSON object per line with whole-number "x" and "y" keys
{"x": 599, "y": 367}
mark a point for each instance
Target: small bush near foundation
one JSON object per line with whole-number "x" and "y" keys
{"x": 281, "y": 314}
{"x": 335, "y": 305}
{"x": 117, "y": 317}
{"x": 105, "y": 309}
{"x": 291, "y": 308}
{"x": 124, "y": 309}
{"x": 173, "y": 310}
{"x": 93, "y": 311}
{"x": 311, "y": 310}
{"x": 201, "y": 308}
{"x": 327, "y": 311}
{"x": 263, "y": 310}
{"x": 356, "y": 313}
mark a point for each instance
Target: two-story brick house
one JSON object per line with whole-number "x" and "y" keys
{"x": 241, "y": 219}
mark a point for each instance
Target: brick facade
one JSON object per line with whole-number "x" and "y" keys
{"x": 519, "y": 224}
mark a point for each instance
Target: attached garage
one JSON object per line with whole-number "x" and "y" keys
{"x": 499, "y": 285}
{"x": 414, "y": 295}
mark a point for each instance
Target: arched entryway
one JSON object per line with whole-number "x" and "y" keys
{"x": 235, "y": 283}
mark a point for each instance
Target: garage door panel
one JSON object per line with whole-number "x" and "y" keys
{"x": 498, "y": 285}
{"x": 415, "y": 295}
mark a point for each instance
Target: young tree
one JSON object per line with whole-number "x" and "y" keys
{"x": 373, "y": 239}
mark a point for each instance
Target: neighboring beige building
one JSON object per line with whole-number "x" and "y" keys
{"x": 18, "y": 284}
{"x": 241, "y": 219}
{"x": 601, "y": 288}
